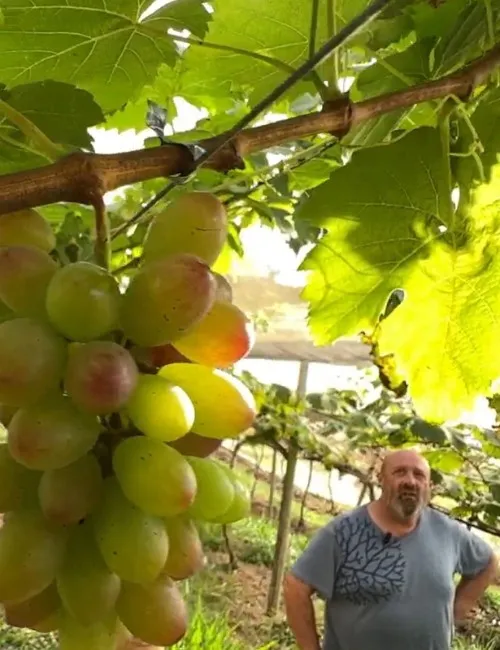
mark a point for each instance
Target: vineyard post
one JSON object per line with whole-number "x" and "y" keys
{"x": 272, "y": 485}
{"x": 282, "y": 536}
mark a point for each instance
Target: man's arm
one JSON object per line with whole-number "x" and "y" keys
{"x": 478, "y": 566}
{"x": 471, "y": 588}
{"x": 312, "y": 573}
{"x": 300, "y": 612}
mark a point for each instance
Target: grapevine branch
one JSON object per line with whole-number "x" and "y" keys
{"x": 80, "y": 176}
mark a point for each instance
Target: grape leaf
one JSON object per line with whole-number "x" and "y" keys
{"x": 390, "y": 226}
{"x": 167, "y": 85}
{"x": 447, "y": 461}
{"x": 187, "y": 14}
{"x": 356, "y": 266}
{"x": 439, "y": 21}
{"x": 387, "y": 75}
{"x": 253, "y": 46}
{"x": 102, "y": 47}
{"x": 468, "y": 37}
{"x": 428, "y": 431}
{"x": 16, "y": 154}
{"x": 61, "y": 111}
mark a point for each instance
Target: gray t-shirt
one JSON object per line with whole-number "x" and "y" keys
{"x": 388, "y": 593}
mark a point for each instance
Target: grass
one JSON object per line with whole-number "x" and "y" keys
{"x": 211, "y": 630}
{"x": 253, "y": 540}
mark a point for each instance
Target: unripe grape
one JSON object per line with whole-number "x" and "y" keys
{"x": 100, "y": 376}
{"x": 25, "y": 274}
{"x": 185, "y": 554}
{"x": 31, "y": 551}
{"x": 158, "y": 356}
{"x": 134, "y": 545}
{"x": 165, "y": 298}
{"x": 5, "y": 312}
{"x": 224, "y": 406}
{"x": 220, "y": 339}
{"x": 215, "y": 491}
{"x": 87, "y": 587}
{"x": 6, "y": 413}
{"x": 153, "y": 476}
{"x": 193, "y": 444}
{"x": 35, "y": 611}
{"x": 18, "y": 485}
{"x": 160, "y": 409}
{"x": 224, "y": 291}
{"x": 102, "y": 635}
{"x": 26, "y": 228}
{"x": 194, "y": 223}
{"x": 83, "y": 301}
{"x": 155, "y": 612}
{"x": 51, "y": 434}
{"x": 241, "y": 504}
{"x": 32, "y": 359}
{"x": 68, "y": 494}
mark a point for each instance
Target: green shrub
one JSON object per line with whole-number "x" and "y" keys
{"x": 253, "y": 540}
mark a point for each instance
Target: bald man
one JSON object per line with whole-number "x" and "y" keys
{"x": 385, "y": 570}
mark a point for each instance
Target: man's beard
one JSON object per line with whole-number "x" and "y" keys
{"x": 408, "y": 502}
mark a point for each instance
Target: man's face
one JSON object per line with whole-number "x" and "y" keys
{"x": 405, "y": 484}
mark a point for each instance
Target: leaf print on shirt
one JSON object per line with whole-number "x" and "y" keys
{"x": 370, "y": 571}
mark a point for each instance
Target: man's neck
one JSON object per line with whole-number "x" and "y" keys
{"x": 385, "y": 519}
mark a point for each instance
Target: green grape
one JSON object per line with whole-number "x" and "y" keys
{"x": 158, "y": 356}
{"x": 224, "y": 291}
{"x": 68, "y": 494}
{"x": 18, "y": 485}
{"x": 6, "y": 414}
{"x": 155, "y": 613}
{"x": 83, "y": 301}
{"x": 241, "y": 504}
{"x": 26, "y": 228}
{"x": 165, "y": 298}
{"x": 223, "y": 336}
{"x": 25, "y": 274}
{"x": 223, "y": 405}
{"x": 194, "y": 445}
{"x": 160, "y": 409}
{"x": 215, "y": 491}
{"x": 100, "y": 376}
{"x": 87, "y": 587}
{"x": 32, "y": 359}
{"x": 194, "y": 222}
{"x": 103, "y": 635}
{"x": 35, "y": 612}
{"x": 134, "y": 545}
{"x": 51, "y": 435}
{"x": 153, "y": 476}
{"x": 5, "y": 313}
{"x": 31, "y": 551}
{"x": 185, "y": 554}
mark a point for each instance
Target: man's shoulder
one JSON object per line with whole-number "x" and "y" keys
{"x": 441, "y": 521}
{"x": 348, "y": 516}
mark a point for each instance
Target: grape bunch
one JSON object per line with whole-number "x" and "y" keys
{"x": 112, "y": 400}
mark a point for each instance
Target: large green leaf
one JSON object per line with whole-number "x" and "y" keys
{"x": 16, "y": 155}
{"x": 434, "y": 20}
{"x": 62, "y": 112}
{"x": 102, "y": 46}
{"x": 254, "y": 45}
{"x": 391, "y": 226}
{"x": 468, "y": 37}
{"x": 389, "y": 74}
